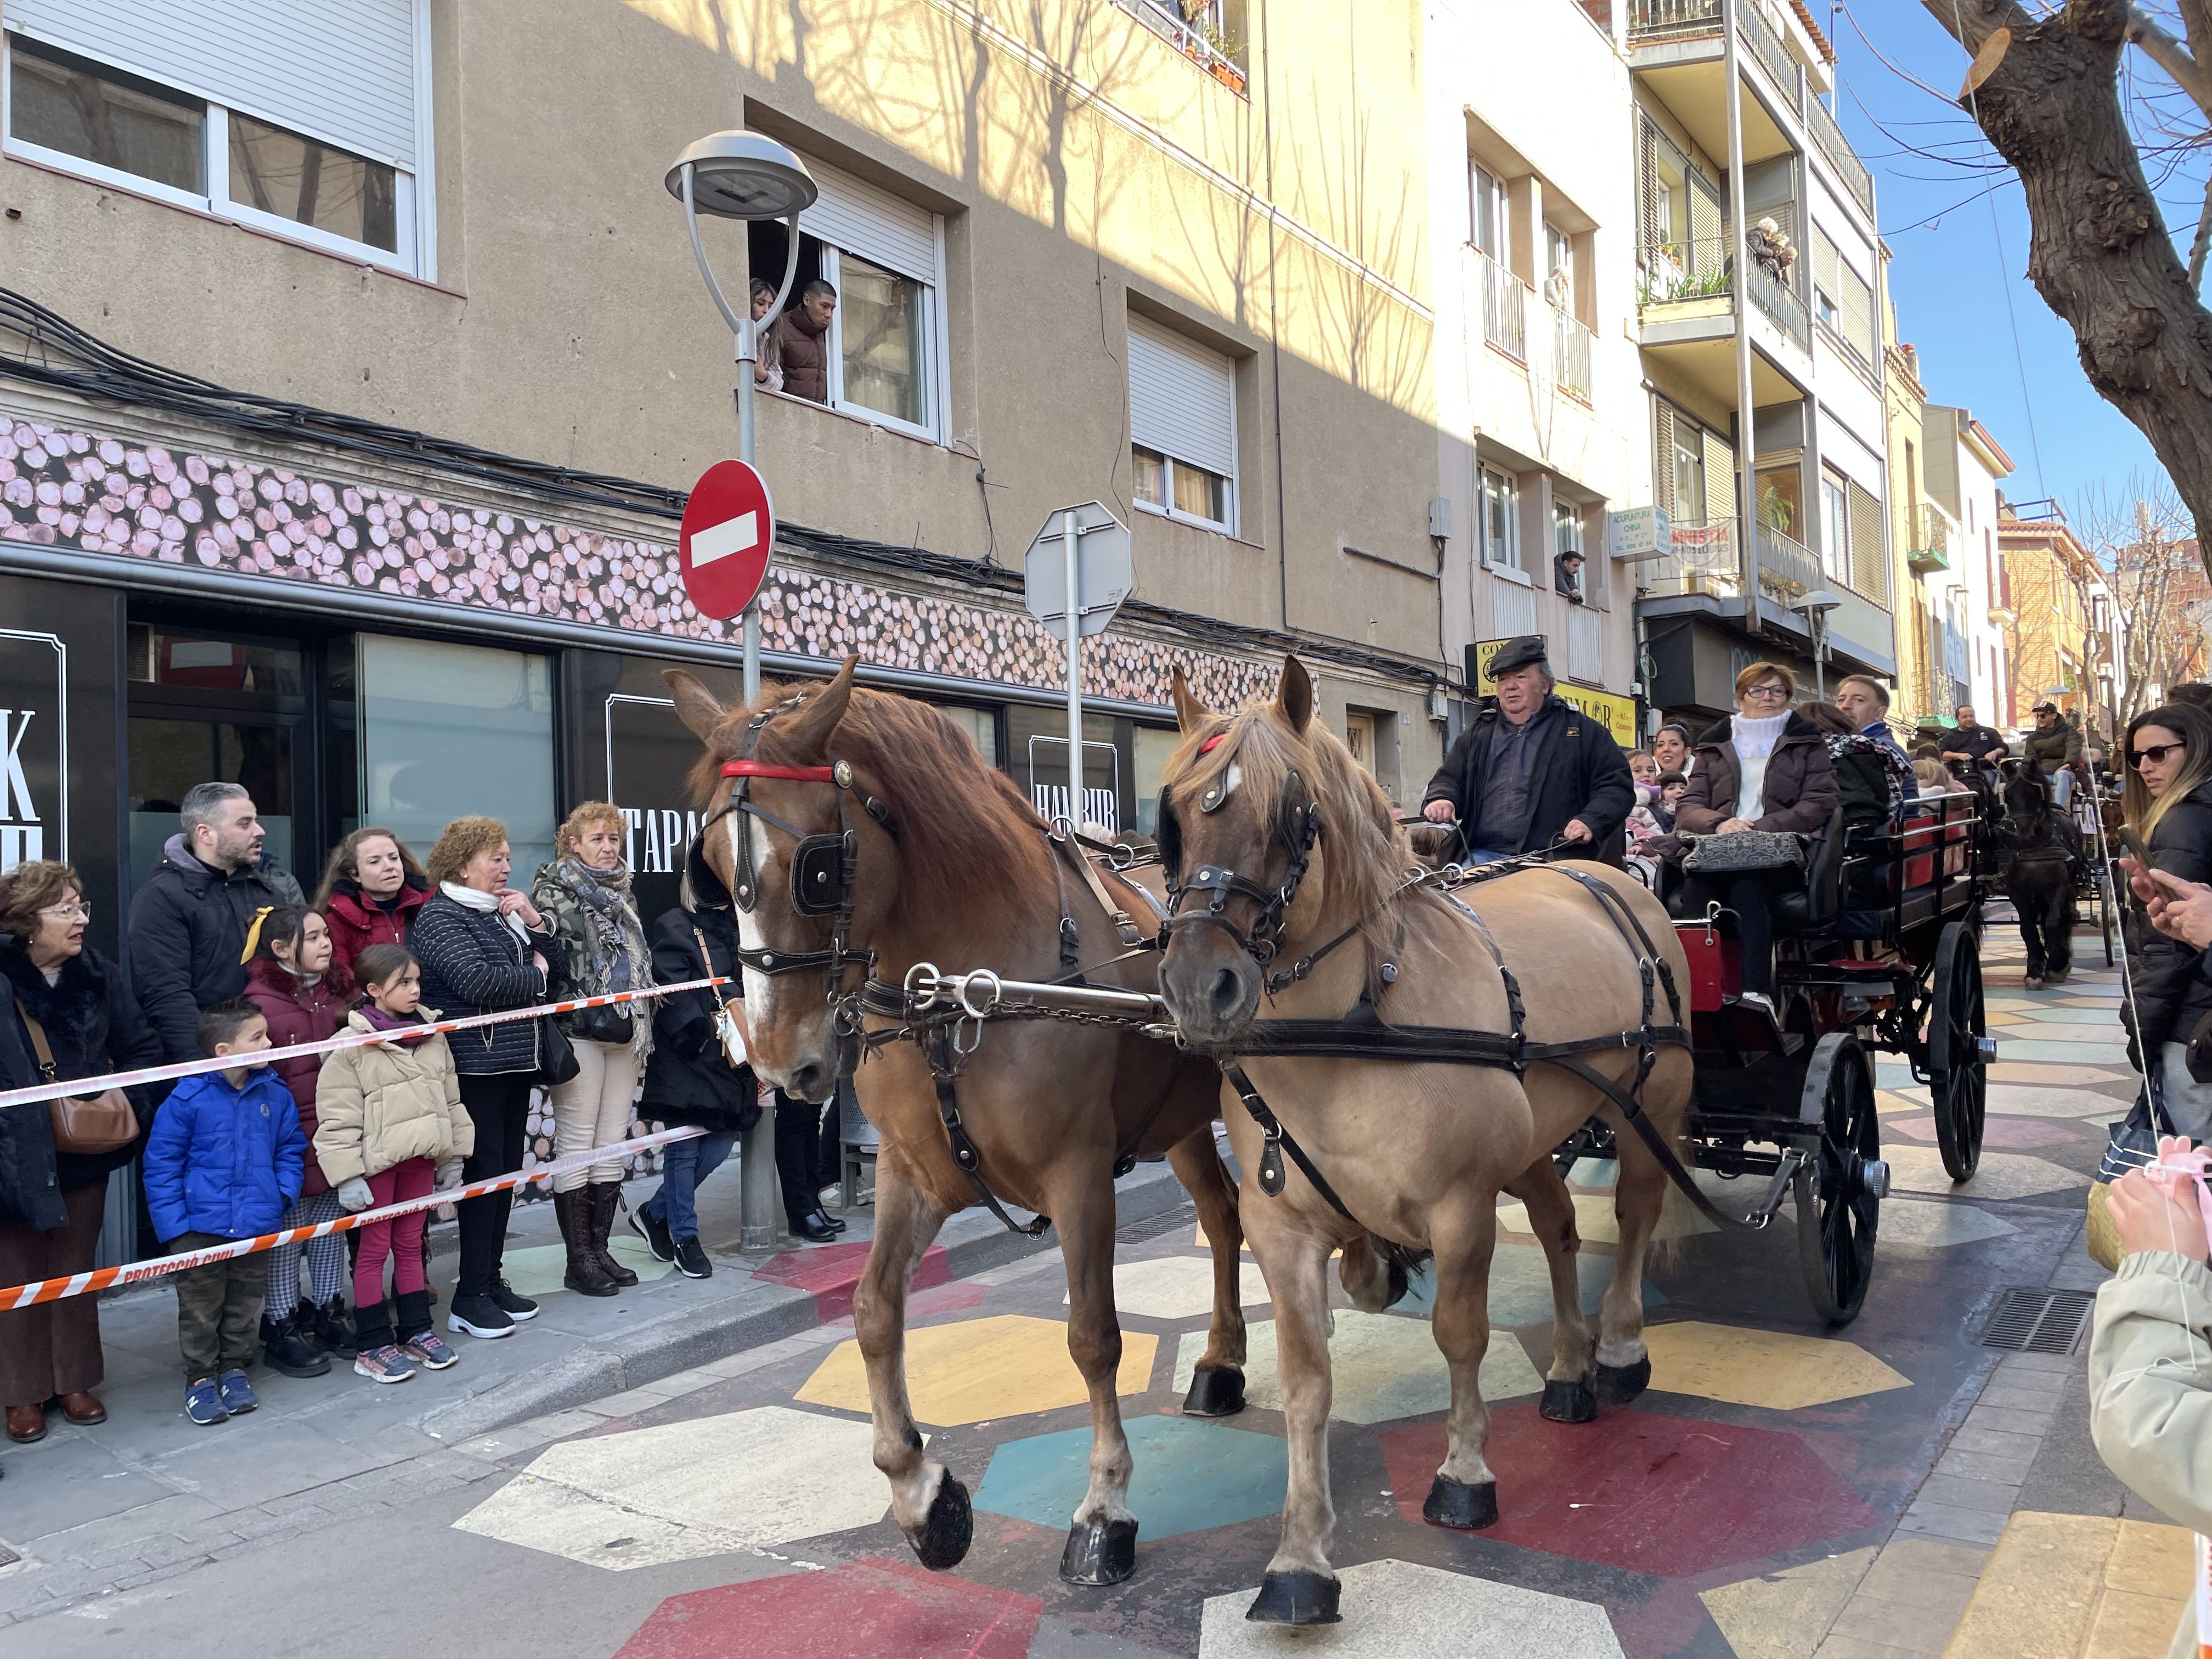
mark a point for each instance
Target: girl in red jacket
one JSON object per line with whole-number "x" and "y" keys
{"x": 372, "y": 889}
{"x": 290, "y": 978}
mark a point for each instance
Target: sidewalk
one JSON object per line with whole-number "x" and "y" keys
{"x": 147, "y": 1492}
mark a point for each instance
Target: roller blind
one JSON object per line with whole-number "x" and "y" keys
{"x": 1663, "y": 458}
{"x": 854, "y": 215}
{"x": 1869, "y": 569}
{"x": 1183, "y": 399}
{"x": 1720, "y": 478}
{"x": 340, "y": 71}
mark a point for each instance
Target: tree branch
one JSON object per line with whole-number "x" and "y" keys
{"x": 2170, "y": 55}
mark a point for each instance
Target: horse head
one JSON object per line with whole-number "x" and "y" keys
{"x": 1274, "y": 837}
{"x": 2026, "y": 796}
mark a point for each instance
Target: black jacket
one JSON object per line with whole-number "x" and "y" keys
{"x": 2172, "y": 990}
{"x": 93, "y": 1025}
{"x": 1975, "y": 740}
{"x": 30, "y": 1186}
{"x": 473, "y": 964}
{"x": 687, "y": 1080}
{"x": 1579, "y": 773}
{"x": 187, "y": 931}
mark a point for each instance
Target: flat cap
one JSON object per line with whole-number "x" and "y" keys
{"x": 1520, "y": 651}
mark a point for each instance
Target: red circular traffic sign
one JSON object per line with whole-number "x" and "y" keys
{"x": 729, "y": 525}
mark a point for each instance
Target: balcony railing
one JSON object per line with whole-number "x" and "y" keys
{"x": 1788, "y": 570}
{"x": 1931, "y": 541}
{"x": 1765, "y": 44}
{"x": 1838, "y": 149}
{"x": 1571, "y": 344}
{"x": 1702, "y": 270}
{"x": 1651, "y": 20}
{"x": 1704, "y": 562}
{"x": 1505, "y": 308}
{"x": 1196, "y": 38}
{"x": 1775, "y": 298}
{"x": 1585, "y": 644}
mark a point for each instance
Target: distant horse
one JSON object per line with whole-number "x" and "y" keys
{"x": 859, "y": 835}
{"x": 2038, "y": 845}
{"x": 1295, "y": 849}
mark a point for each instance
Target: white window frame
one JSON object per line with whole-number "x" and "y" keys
{"x": 1494, "y": 483}
{"x": 1835, "y": 527}
{"x": 1560, "y": 259}
{"x": 930, "y": 352}
{"x": 1168, "y": 463}
{"x": 1485, "y": 187}
{"x": 414, "y": 209}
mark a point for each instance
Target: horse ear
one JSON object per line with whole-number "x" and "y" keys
{"x": 1190, "y": 713}
{"x": 811, "y": 727}
{"x": 1294, "y": 698}
{"x": 699, "y": 709}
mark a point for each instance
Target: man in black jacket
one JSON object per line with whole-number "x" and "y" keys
{"x": 1533, "y": 770}
{"x": 188, "y": 923}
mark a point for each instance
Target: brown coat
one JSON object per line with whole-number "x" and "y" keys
{"x": 1799, "y": 792}
{"x": 804, "y": 351}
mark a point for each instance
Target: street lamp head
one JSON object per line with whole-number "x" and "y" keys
{"x": 1819, "y": 600}
{"x": 743, "y": 175}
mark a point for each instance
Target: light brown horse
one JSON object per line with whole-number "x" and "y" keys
{"x": 952, "y": 867}
{"x": 1417, "y": 1152}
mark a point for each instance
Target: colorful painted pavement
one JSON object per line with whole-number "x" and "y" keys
{"x": 1782, "y": 1492}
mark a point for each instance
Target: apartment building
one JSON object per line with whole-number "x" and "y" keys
{"x": 1761, "y": 344}
{"x": 1964, "y": 466}
{"x": 2046, "y": 575}
{"x": 1541, "y": 422}
{"x": 359, "y": 363}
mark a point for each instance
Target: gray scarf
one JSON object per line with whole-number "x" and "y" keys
{"x": 618, "y": 938}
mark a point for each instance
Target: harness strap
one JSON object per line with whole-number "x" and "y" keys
{"x": 1632, "y": 1112}
{"x": 1124, "y": 927}
{"x": 944, "y": 1072}
{"x": 1278, "y": 1142}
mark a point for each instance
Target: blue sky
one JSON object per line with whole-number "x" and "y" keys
{"x": 1948, "y": 280}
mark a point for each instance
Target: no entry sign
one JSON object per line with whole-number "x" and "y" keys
{"x": 729, "y": 525}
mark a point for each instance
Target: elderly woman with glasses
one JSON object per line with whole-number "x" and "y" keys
{"x": 2168, "y": 801}
{"x": 1764, "y": 768}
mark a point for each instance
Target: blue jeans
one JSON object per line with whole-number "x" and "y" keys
{"x": 1475, "y": 855}
{"x": 686, "y": 1163}
{"x": 2062, "y": 788}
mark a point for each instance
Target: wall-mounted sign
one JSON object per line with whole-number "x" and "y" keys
{"x": 1640, "y": 533}
{"x": 33, "y": 748}
{"x": 1615, "y": 713}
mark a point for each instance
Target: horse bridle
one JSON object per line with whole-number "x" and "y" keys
{"x": 1298, "y": 827}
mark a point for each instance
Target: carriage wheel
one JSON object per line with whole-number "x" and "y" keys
{"x": 1839, "y": 1192}
{"x": 1958, "y": 1055}
{"x": 2108, "y": 916}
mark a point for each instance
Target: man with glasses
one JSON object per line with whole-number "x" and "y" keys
{"x": 2055, "y": 746}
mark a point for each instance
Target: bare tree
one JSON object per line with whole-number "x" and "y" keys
{"x": 2140, "y": 538}
{"x": 2045, "y": 89}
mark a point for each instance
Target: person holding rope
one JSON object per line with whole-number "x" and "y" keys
{"x": 89, "y": 1024}
{"x": 1532, "y": 773}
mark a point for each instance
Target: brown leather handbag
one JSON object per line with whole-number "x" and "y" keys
{"x": 97, "y": 1123}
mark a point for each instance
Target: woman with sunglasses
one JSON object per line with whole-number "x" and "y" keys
{"x": 2168, "y": 801}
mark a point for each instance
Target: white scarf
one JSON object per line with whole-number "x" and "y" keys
{"x": 475, "y": 898}
{"x": 1755, "y": 738}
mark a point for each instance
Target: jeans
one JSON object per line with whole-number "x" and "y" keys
{"x": 499, "y": 1106}
{"x": 593, "y": 1110}
{"x": 2062, "y": 788}
{"x": 1475, "y": 855}
{"x": 2188, "y": 1103}
{"x": 685, "y": 1164}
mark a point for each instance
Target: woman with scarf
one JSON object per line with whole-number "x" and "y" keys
{"x": 598, "y": 948}
{"x": 483, "y": 946}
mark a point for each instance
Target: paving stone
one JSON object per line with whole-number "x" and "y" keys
{"x": 1003, "y": 1366}
{"x": 1894, "y": 1625}
{"x": 1984, "y": 1466}
{"x": 1781, "y": 1615}
{"x": 2011, "y": 1419}
{"x": 1398, "y": 1610}
{"x": 2056, "y": 1365}
{"x": 1994, "y": 1497}
{"x": 1972, "y": 1438}
{"x": 1855, "y": 1647}
{"x": 1945, "y": 1520}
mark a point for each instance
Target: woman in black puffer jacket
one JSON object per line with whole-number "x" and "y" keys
{"x": 483, "y": 947}
{"x": 2168, "y": 803}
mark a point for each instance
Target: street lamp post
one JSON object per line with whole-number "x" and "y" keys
{"x": 1816, "y": 606}
{"x": 746, "y": 176}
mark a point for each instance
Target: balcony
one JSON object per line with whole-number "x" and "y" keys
{"x": 1504, "y": 306}
{"x": 1585, "y": 645}
{"x": 1703, "y": 562}
{"x": 1788, "y": 570}
{"x": 1841, "y": 156}
{"x": 1199, "y": 39}
{"x": 1571, "y": 348}
{"x": 1930, "y": 539}
{"x": 1685, "y": 312}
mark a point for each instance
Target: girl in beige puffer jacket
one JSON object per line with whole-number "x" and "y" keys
{"x": 390, "y": 1127}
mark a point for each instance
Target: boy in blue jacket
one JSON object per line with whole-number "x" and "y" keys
{"x": 225, "y": 1161}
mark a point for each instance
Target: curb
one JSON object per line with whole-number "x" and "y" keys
{"x": 758, "y": 1314}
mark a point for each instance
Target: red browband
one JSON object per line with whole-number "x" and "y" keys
{"x": 749, "y": 768}
{"x": 1213, "y": 742}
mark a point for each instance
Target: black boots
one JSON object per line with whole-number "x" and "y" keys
{"x": 815, "y": 1226}
{"x": 288, "y": 1349}
{"x": 606, "y": 1194}
{"x": 573, "y": 1210}
{"x": 333, "y": 1324}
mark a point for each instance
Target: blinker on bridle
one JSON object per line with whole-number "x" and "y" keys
{"x": 1298, "y": 827}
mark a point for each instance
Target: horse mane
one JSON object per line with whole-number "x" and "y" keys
{"x": 967, "y": 841}
{"x": 1364, "y": 852}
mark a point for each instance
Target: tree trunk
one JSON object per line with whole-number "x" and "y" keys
{"x": 2098, "y": 253}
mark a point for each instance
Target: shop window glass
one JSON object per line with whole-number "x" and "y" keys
{"x": 1153, "y": 748}
{"x": 169, "y": 756}
{"x": 982, "y": 726}
{"x": 447, "y": 731}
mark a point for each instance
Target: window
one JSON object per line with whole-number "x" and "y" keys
{"x": 1182, "y": 427}
{"x": 1559, "y": 268}
{"x": 1835, "y": 528}
{"x": 1567, "y": 527}
{"x": 1501, "y": 518}
{"x": 304, "y": 121}
{"x": 1489, "y": 217}
{"x": 1842, "y": 302}
{"x": 884, "y": 342}
{"x": 1689, "y": 473}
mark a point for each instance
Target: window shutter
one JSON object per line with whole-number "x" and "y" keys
{"x": 1856, "y": 301}
{"x": 1663, "y": 457}
{"x": 1708, "y": 231}
{"x": 1647, "y": 184}
{"x": 340, "y": 71}
{"x": 1720, "y": 478}
{"x": 854, "y": 217}
{"x": 1869, "y": 569}
{"x": 1826, "y": 264}
{"x": 1183, "y": 399}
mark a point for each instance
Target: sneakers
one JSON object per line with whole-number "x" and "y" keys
{"x": 285, "y": 1347}
{"x": 236, "y": 1393}
{"x": 654, "y": 1231}
{"x": 428, "y": 1350}
{"x": 512, "y": 1302}
{"x": 475, "y": 1314}
{"x": 202, "y": 1402}
{"x": 691, "y": 1261}
{"x": 386, "y": 1364}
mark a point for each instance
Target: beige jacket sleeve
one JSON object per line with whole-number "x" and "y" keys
{"x": 462, "y": 1126}
{"x": 2150, "y": 1391}
{"x": 341, "y": 1112}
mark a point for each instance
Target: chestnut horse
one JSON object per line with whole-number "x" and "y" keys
{"x": 1268, "y": 813}
{"x": 947, "y": 863}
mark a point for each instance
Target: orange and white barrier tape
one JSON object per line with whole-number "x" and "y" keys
{"x": 83, "y": 1087}
{"x": 134, "y": 1272}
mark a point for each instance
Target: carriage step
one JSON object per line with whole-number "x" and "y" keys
{"x": 2039, "y": 1321}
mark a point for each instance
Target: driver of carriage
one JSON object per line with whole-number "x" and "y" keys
{"x": 1764, "y": 768}
{"x": 1532, "y": 771}
{"x": 1974, "y": 742}
{"x": 2055, "y": 746}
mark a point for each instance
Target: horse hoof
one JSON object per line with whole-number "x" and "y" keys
{"x": 1215, "y": 1391}
{"x": 1462, "y": 1508}
{"x": 2031, "y": 985}
{"x": 1569, "y": 1400}
{"x": 947, "y": 1529}
{"x": 1619, "y": 1384}
{"x": 1295, "y": 1598}
{"x": 1099, "y": 1553}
